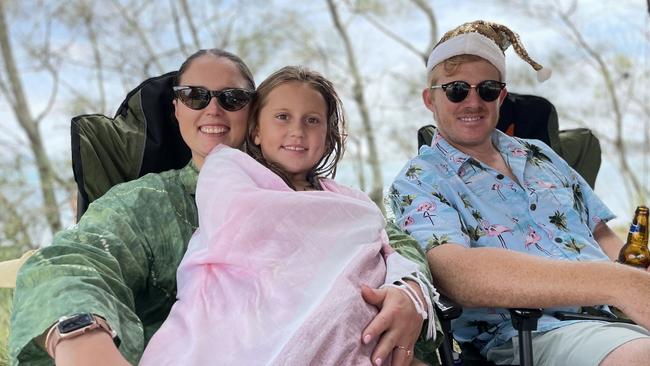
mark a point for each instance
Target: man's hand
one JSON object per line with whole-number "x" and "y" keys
{"x": 398, "y": 324}
{"x": 633, "y": 296}
{"x": 92, "y": 348}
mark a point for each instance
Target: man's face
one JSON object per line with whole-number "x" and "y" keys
{"x": 468, "y": 124}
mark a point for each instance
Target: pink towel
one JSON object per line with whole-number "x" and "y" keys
{"x": 272, "y": 276}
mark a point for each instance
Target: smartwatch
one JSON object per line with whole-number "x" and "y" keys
{"x": 73, "y": 326}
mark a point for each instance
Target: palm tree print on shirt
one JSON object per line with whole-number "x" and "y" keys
{"x": 579, "y": 202}
{"x": 435, "y": 241}
{"x": 535, "y": 153}
{"x": 441, "y": 198}
{"x": 465, "y": 200}
{"x": 559, "y": 220}
{"x": 413, "y": 173}
{"x": 573, "y": 246}
{"x": 537, "y": 157}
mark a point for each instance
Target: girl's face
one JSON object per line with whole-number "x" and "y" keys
{"x": 204, "y": 129}
{"x": 292, "y": 128}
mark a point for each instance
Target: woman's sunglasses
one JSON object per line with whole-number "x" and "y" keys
{"x": 457, "y": 91}
{"x": 196, "y": 97}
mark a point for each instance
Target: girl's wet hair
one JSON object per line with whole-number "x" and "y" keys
{"x": 335, "y": 139}
{"x": 216, "y": 52}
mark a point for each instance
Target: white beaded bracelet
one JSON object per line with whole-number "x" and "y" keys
{"x": 415, "y": 299}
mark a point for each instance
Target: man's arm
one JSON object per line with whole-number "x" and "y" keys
{"x": 608, "y": 240}
{"x": 494, "y": 277}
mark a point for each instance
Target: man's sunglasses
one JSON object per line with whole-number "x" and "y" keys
{"x": 457, "y": 91}
{"x": 196, "y": 97}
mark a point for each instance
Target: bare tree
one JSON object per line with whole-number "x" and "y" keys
{"x": 616, "y": 86}
{"x": 369, "y": 13}
{"x": 376, "y": 193}
{"x": 30, "y": 124}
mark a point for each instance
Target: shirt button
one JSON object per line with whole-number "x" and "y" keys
{"x": 499, "y": 176}
{"x": 558, "y": 240}
{"x": 533, "y": 207}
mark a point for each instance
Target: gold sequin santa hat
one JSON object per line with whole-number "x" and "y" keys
{"x": 484, "y": 39}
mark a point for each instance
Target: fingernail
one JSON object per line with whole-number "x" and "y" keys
{"x": 378, "y": 361}
{"x": 367, "y": 338}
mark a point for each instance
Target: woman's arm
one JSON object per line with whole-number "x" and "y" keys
{"x": 110, "y": 264}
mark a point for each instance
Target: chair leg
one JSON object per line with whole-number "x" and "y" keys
{"x": 525, "y": 348}
{"x": 525, "y": 321}
{"x": 446, "y": 349}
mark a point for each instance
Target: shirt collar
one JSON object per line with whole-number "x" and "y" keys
{"x": 456, "y": 159}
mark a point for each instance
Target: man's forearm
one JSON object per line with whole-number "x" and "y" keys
{"x": 491, "y": 277}
{"x": 609, "y": 242}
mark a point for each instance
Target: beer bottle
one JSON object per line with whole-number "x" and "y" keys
{"x": 641, "y": 219}
{"x": 635, "y": 251}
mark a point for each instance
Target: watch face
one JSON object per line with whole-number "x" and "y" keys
{"x": 75, "y": 322}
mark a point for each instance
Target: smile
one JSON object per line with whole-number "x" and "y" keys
{"x": 294, "y": 148}
{"x": 470, "y": 119}
{"x": 214, "y": 129}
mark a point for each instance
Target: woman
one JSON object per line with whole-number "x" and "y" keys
{"x": 118, "y": 264}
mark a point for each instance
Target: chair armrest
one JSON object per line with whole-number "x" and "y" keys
{"x": 565, "y": 315}
{"x": 449, "y": 309}
{"x": 525, "y": 319}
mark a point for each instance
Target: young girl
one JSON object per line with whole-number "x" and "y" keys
{"x": 272, "y": 276}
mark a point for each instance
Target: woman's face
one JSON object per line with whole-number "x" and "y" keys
{"x": 206, "y": 128}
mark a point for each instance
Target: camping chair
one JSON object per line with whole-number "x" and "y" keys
{"x": 532, "y": 117}
{"x": 142, "y": 138}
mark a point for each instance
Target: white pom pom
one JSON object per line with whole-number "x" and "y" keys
{"x": 543, "y": 74}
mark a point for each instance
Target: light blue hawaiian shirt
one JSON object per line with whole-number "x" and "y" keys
{"x": 444, "y": 195}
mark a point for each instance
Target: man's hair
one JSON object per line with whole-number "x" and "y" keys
{"x": 335, "y": 139}
{"x": 216, "y": 52}
{"x": 450, "y": 66}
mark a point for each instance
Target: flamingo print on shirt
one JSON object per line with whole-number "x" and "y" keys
{"x": 493, "y": 230}
{"x": 532, "y": 238}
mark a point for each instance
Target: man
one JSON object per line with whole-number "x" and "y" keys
{"x": 505, "y": 222}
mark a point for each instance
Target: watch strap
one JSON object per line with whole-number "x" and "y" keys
{"x": 54, "y": 336}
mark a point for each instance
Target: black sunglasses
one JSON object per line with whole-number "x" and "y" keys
{"x": 196, "y": 97}
{"x": 457, "y": 91}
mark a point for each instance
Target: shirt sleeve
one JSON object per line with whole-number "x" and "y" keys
{"x": 591, "y": 208}
{"x": 423, "y": 211}
{"x": 110, "y": 264}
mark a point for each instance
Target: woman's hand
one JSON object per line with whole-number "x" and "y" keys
{"x": 398, "y": 324}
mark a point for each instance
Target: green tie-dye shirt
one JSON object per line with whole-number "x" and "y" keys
{"x": 120, "y": 262}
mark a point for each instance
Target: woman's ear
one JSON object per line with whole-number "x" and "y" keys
{"x": 174, "y": 103}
